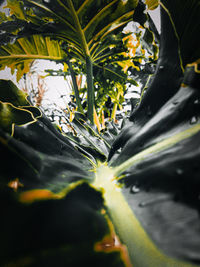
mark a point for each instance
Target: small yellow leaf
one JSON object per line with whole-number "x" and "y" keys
{"x": 65, "y": 69}
{"x": 37, "y": 194}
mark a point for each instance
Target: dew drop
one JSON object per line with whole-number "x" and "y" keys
{"x": 46, "y": 1}
{"x": 193, "y": 120}
{"x": 196, "y": 102}
{"x": 175, "y": 102}
{"x": 161, "y": 67}
{"x": 179, "y": 171}
{"x": 135, "y": 189}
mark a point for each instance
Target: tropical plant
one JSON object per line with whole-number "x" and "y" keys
{"x": 63, "y": 196}
{"x": 81, "y": 27}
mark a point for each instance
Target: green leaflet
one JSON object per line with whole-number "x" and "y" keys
{"x": 20, "y": 54}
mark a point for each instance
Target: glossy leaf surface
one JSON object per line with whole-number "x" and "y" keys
{"x": 42, "y": 175}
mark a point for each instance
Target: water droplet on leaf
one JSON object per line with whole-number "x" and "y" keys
{"x": 175, "y": 102}
{"x": 179, "y": 171}
{"x": 193, "y": 120}
{"x": 135, "y": 189}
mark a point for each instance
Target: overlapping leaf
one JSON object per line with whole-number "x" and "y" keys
{"x": 18, "y": 56}
{"x": 89, "y": 28}
{"x": 160, "y": 166}
{"x": 176, "y": 51}
{"x": 163, "y": 147}
{"x": 162, "y": 159}
{"x": 42, "y": 175}
{"x": 82, "y": 24}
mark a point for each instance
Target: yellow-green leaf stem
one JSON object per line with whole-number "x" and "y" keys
{"x": 142, "y": 251}
{"x": 83, "y": 5}
{"x": 152, "y": 4}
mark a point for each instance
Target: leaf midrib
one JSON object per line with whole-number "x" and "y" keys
{"x": 79, "y": 28}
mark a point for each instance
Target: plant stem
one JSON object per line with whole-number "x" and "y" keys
{"x": 75, "y": 86}
{"x": 115, "y": 107}
{"x": 90, "y": 89}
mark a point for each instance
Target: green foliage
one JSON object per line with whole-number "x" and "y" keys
{"x": 18, "y": 56}
{"x": 94, "y": 37}
{"x": 60, "y": 200}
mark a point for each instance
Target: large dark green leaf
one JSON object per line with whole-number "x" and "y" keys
{"x": 14, "y": 107}
{"x": 50, "y": 213}
{"x": 162, "y": 145}
{"x": 83, "y": 24}
{"x": 164, "y": 176}
{"x": 42, "y": 149}
{"x": 54, "y": 232}
{"x": 177, "y": 49}
{"x": 92, "y": 29}
{"x": 161, "y": 160}
{"x": 185, "y": 17}
{"x": 160, "y": 166}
